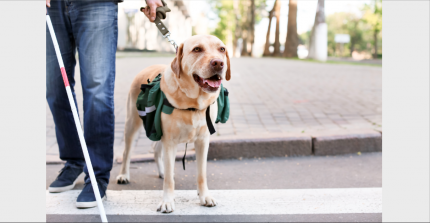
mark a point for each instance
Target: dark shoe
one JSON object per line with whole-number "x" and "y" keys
{"x": 87, "y": 199}
{"x": 66, "y": 179}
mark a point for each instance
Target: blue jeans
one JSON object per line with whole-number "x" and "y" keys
{"x": 91, "y": 28}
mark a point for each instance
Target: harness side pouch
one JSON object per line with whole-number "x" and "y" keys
{"x": 147, "y": 106}
{"x": 153, "y": 97}
{"x": 141, "y": 105}
{"x": 223, "y": 106}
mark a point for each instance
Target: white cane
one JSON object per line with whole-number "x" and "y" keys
{"x": 77, "y": 122}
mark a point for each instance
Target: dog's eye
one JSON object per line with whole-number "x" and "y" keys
{"x": 197, "y": 49}
{"x": 222, "y": 49}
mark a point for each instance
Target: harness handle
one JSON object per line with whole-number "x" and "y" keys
{"x": 161, "y": 13}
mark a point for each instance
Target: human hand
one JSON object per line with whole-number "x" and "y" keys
{"x": 48, "y": 4}
{"x": 150, "y": 9}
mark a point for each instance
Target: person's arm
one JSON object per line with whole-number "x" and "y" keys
{"x": 150, "y": 9}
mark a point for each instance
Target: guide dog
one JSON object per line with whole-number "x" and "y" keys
{"x": 192, "y": 80}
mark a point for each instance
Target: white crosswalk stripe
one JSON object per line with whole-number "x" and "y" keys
{"x": 231, "y": 202}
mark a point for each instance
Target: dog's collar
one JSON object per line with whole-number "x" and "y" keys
{"x": 167, "y": 103}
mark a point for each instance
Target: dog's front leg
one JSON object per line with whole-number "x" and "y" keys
{"x": 202, "y": 147}
{"x": 167, "y": 205}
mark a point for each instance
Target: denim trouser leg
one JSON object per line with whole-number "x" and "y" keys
{"x": 56, "y": 95}
{"x": 95, "y": 30}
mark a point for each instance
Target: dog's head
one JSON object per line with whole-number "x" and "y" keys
{"x": 201, "y": 62}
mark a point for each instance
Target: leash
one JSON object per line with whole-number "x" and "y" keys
{"x": 161, "y": 14}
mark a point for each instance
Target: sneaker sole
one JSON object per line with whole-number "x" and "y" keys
{"x": 88, "y": 204}
{"x": 61, "y": 189}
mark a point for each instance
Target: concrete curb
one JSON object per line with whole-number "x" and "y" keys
{"x": 275, "y": 145}
{"x": 338, "y": 143}
{"x": 278, "y": 145}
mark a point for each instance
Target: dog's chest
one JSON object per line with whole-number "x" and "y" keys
{"x": 186, "y": 126}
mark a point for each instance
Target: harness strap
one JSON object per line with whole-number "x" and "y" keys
{"x": 208, "y": 117}
{"x": 183, "y": 158}
{"x": 209, "y": 122}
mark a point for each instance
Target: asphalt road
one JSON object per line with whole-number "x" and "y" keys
{"x": 287, "y": 174}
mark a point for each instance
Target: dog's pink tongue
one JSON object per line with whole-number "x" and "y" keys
{"x": 212, "y": 83}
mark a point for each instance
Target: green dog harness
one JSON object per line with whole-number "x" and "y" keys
{"x": 152, "y": 101}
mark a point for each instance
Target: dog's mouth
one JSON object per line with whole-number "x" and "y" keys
{"x": 209, "y": 84}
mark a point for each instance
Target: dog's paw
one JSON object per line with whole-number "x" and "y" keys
{"x": 122, "y": 179}
{"x": 208, "y": 201}
{"x": 166, "y": 207}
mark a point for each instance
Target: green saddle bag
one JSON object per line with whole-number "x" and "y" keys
{"x": 151, "y": 101}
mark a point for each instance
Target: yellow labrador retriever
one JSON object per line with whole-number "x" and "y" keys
{"x": 191, "y": 81}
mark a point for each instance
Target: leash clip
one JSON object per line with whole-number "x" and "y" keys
{"x": 170, "y": 40}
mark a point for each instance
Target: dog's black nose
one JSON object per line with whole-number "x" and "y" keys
{"x": 217, "y": 64}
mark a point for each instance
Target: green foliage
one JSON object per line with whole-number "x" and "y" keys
{"x": 225, "y": 11}
{"x": 344, "y": 23}
{"x": 260, "y": 8}
{"x": 227, "y": 15}
{"x": 360, "y": 29}
{"x": 304, "y": 38}
{"x": 373, "y": 15}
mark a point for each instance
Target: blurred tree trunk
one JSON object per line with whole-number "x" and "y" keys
{"x": 245, "y": 27}
{"x": 238, "y": 29}
{"x": 251, "y": 27}
{"x": 292, "y": 40}
{"x": 318, "y": 39}
{"x": 244, "y": 43}
{"x": 378, "y": 25}
{"x": 267, "y": 46}
{"x": 351, "y": 47}
{"x": 375, "y": 38}
{"x": 354, "y": 38}
{"x": 277, "y": 45}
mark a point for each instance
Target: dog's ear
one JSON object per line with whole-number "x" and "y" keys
{"x": 228, "y": 73}
{"x": 176, "y": 63}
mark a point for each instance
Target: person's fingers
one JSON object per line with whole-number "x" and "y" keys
{"x": 147, "y": 12}
{"x": 153, "y": 9}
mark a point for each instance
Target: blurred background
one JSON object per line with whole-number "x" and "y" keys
{"x": 311, "y": 29}
{"x": 298, "y": 67}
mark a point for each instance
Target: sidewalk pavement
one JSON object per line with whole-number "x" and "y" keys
{"x": 295, "y": 107}
{"x": 376, "y": 62}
